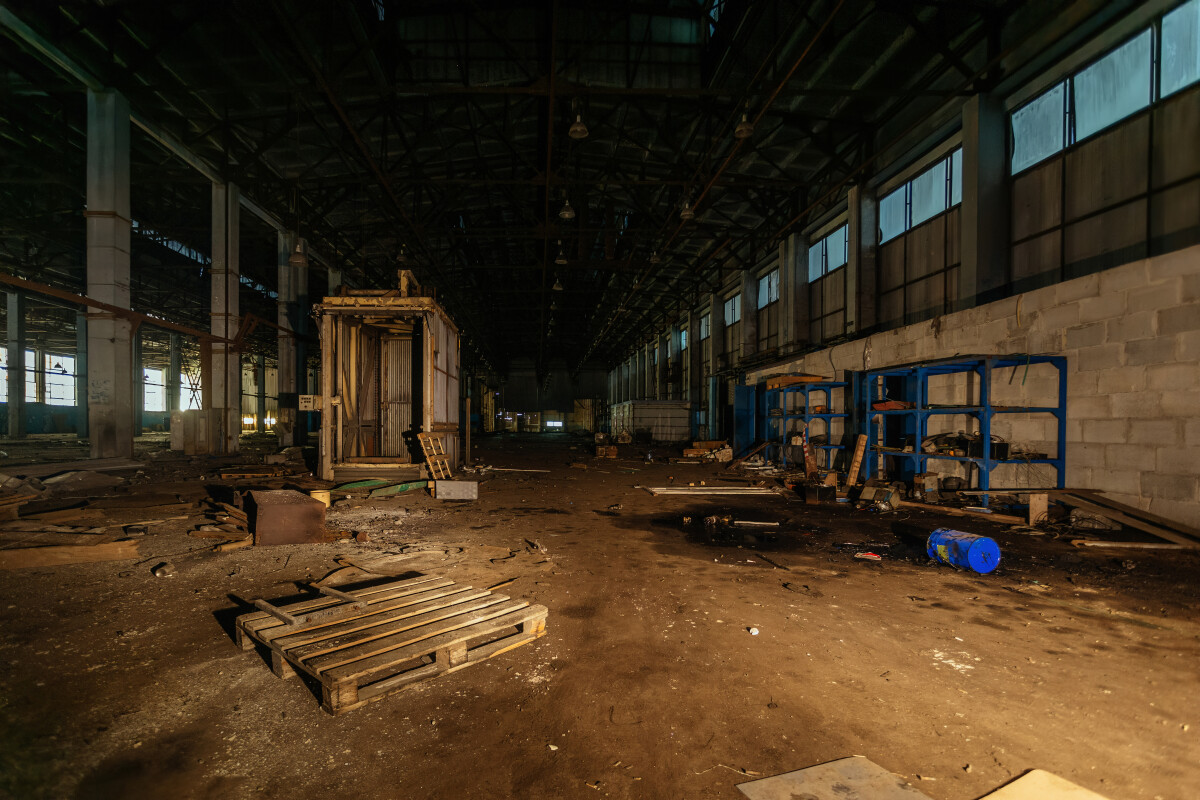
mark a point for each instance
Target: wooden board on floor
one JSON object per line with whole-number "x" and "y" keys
{"x": 854, "y": 778}
{"x": 1116, "y": 516}
{"x": 411, "y": 630}
{"x": 1037, "y": 784}
{"x": 53, "y": 556}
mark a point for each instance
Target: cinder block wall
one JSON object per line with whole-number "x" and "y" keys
{"x": 1131, "y": 336}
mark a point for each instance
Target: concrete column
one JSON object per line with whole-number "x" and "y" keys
{"x": 224, "y": 312}
{"x": 81, "y": 374}
{"x": 39, "y": 375}
{"x": 139, "y": 384}
{"x": 16, "y": 365}
{"x": 110, "y": 354}
{"x": 716, "y": 329}
{"x": 291, "y": 277}
{"x": 749, "y": 312}
{"x": 795, "y": 295}
{"x": 663, "y": 373}
{"x": 260, "y": 393}
{"x": 985, "y": 201}
{"x": 694, "y": 355}
{"x": 863, "y": 214}
{"x": 174, "y": 373}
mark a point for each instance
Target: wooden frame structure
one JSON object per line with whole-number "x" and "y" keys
{"x": 389, "y": 370}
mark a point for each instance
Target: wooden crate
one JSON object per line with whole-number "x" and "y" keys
{"x": 410, "y": 630}
{"x": 606, "y": 451}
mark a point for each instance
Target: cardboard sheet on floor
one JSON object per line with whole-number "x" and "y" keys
{"x": 1037, "y": 784}
{"x": 854, "y": 778}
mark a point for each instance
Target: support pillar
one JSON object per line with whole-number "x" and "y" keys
{"x": 292, "y": 377}
{"x": 174, "y": 374}
{"x": 224, "y": 313}
{"x": 260, "y": 394}
{"x": 749, "y": 313}
{"x": 81, "y": 374}
{"x": 794, "y": 292}
{"x": 38, "y": 368}
{"x": 110, "y": 378}
{"x": 139, "y": 384}
{"x": 985, "y": 202}
{"x": 16, "y": 365}
{"x": 662, "y": 374}
{"x": 863, "y": 214}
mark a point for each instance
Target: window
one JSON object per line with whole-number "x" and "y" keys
{"x": 1180, "y": 48}
{"x": 60, "y": 380}
{"x": 704, "y": 327}
{"x": 682, "y": 339}
{"x": 191, "y": 395}
{"x": 1039, "y": 128}
{"x": 733, "y": 310}
{"x": 154, "y": 396}
{"x": 893, "y": 214}
{"x": 937, "y": 189}
{"x": 768, "y": 288}
{"x": 1114, "y": 87}
{"x": 829, "y": 253}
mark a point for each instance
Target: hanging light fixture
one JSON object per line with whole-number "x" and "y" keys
{"x": 566, "y": 212}
{"x": 578, "y": 130}
{"x": 561, "y": 258}
{"x": 557, "y": 287}
{"x": 654, "y": 259}
{"x": 553, "y": 306}
{"x": 686, "y": 212}
{"x": 744, "y": 129}
{"x": 402, "y": 256}
{"x": 297, "y": 258}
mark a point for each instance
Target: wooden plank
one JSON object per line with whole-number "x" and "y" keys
{"x": 1003, "y": 519}
{"x": 1100, "y": 499}
{"x": 708, "y": 490}
{"x": 1116, "y": 516}
{"x": 68, "y": 554}
{"x": 1134, "y": 545}
{"x": 1039, "y": 507}
{"x": 860, "y": 449}
{"x": 757, "y": 449}
{"x": 10, "y": 539}
{"x": 353, "y": 663}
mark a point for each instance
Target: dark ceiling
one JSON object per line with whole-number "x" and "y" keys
{"x": 439, "y": 130}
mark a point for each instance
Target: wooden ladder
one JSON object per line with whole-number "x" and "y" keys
{"x": 435, "y": 456}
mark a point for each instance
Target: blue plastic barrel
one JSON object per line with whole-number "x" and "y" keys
{"x": 967, "y": 550}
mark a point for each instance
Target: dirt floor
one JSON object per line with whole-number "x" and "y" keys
{"x": 649, "y": 682}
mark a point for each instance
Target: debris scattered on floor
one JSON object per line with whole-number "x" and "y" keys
{"x": 844, "y": 778}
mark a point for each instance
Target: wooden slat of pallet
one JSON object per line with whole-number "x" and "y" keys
{"x": 258, "y": 620}
{"x": 450, "y": 652}
{"x": 860, "y": 448}
{"x": 435, "y": 455}
{"x": 401, "y": 624}
{"x": 1116, "y": 516}
{"x": 359, "y": 661}
{"x": 1100, "y": 499}
{"x": 373, "y": 618}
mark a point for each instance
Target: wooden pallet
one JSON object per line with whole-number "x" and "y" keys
{"x": 435, "y": 456}
{"x": 409, "y": 630}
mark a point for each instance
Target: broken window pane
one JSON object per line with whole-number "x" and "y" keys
{"x": 1038, "y": 129}
{"x": 1114, "y": 87}
{"x": 1180, "y": 47}
{"x": 892, "y": 217}
{"x": 929, "y": 193}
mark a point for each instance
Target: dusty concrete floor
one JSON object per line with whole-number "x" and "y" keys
{"x": 117, "y": 684}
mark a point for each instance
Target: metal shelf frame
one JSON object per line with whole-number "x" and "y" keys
{"x": 916, "y": 420}
{"x": 775, "y": 429}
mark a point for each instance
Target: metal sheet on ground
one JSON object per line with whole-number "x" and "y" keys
{"x": 853, "y": 778}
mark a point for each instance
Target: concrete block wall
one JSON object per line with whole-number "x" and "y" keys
{"x": 1131, "y": 335}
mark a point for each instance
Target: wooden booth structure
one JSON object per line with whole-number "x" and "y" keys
{"x": 389, "y": 370}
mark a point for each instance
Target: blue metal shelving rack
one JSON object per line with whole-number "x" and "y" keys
{"x": 914, "y": 421}
{"x": 775, "y": 429}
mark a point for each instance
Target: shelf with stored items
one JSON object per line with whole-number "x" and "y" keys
{"x": 804, "y": 404}
{"x": 899, "y": 430}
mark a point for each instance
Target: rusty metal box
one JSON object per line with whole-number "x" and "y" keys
{"x": 285, "y": 516}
